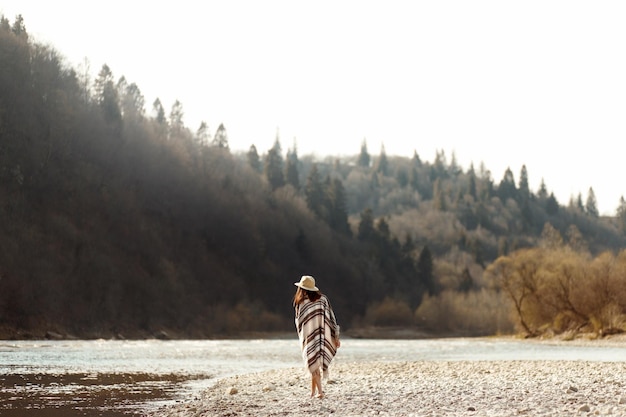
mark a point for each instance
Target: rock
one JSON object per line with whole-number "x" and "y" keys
{"x": 162, "y": 335}
{"x": 471, "y": 409}
{"x": 572, "y": 389}
{"x": 585, "y": 408}
{"x": 50, "y": 335}
{"x": 622, "y": 400}
{"x": 268, "y": 388}
{"x": 231, "y": 391}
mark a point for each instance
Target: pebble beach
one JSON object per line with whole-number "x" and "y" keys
{"x": 427, "y": 388}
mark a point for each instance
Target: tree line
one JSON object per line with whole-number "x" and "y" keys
{"x": 116, "y": 222}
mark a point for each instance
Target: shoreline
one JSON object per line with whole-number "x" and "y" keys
{"x": 421, "y": 388}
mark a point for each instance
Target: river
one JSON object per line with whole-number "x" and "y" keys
{"x": 114, "y": 378}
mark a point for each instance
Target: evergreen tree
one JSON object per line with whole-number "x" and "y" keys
{"x": 425, "y": 272}
{"x": 527, "y": 215}
{"x": 203, "y": 136}
{"x": 5, "y": 25}
{"x": 382, "y": 165}
{"x": 472, "y": 183}
{"x": 439, "y": 196}
{"x": 106, "y": 96}
{"x": 524, "y": 189}
{"x": 132, "y": 101}
{"x": 274, "y": 167}
{"x": 552, "y": 205}
{"x": 366, "y": 225}
{"x": 19, "y": 28}
{"x": 414, "y": 179}
{"x": 454, "y": 167}
{"x": 543, "y": 191}
{"x": 416, "y": 161}
{"x": 507, "y": 188}
{"x": 220, "y": 140}
{"x": 159, "y": 112}
{"x": 314, "y": 192}
{"x": 364, "y": 156}
{"x": 579, "y": 203}
{"x": 291, "y": 169}
{"x": 402, "y": 177}
{"x": 338, "y": 214}
{"x": 621, "y": 214}
{"x": 467, "y": 282}
{"x": 176, "y": 124}
{"x": 382, "y": 227}
{"x": 439, "y": 169}
{"x": 591, "y": 206}
{"x": 253, "y": 159}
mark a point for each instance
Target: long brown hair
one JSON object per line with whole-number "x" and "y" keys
{"x": 301, "y": 294}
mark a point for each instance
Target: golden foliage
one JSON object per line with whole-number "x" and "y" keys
{"x": 556, "y": 289}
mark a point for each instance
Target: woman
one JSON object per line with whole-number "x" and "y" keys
{"x": 318, "y": 331}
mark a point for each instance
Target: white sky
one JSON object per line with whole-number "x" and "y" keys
{"x": 507, "y": 83}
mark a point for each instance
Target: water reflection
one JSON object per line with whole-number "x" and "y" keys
{"x": 116, "y": 378}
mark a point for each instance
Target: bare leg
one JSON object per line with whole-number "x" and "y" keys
{"x": 317, "y": 383}
{"x": 313, "y": 386}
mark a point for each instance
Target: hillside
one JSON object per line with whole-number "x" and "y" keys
{"x": 116, "y": 223}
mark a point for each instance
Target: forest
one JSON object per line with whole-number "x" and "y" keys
{"x": 119, "y": 221}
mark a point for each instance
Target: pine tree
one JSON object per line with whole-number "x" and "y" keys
{"x": 366, "y": 225}
{"x": 579, "y": 203}
{"x": 552, "y": 205}
{"x": 425, "y": 271}
{"x": 382, "y": 165}
{"x": 472, "y": 183}
{"x": 439, "y": 196}
{"x": 203, "y": 136}
{"x": 364, "y": 156}
{"x": 159, "y": 112}
{"x": 507, "y": 188}
{"x": 416, "y": 161}
{"x": 19, "y": 28}
{"x": 314, "y": 192}
{"x": 106, "y": 96}
{"x": 467, "y": 282}
{"x": 291, "y": 169}
{"x": 220, "y": 139}
{"x": 338, "y": 213}
{"x": 524, "y": 189}
{"x": 274, "y": 166}
{"x": 543, "y": 190}
{"x": 176, "y": 124}
{"x": 131, "y": 99}
{"x": 414, "y": 179}
{"x": 591, "y": 206}
{"x": 621, "y": 214}
{"x": 253, "y": 159}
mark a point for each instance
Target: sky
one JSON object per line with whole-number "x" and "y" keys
{"x": 500, "y": 83}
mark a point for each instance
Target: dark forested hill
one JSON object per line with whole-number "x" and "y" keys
{"x": 116, "y": 223}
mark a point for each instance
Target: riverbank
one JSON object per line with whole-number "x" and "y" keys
{"x": 426, "y": 388}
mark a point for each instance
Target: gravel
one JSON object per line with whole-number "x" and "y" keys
{"x": 427, "y": 388}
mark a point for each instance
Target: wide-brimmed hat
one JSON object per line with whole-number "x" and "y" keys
{"x": 307, "y": 282}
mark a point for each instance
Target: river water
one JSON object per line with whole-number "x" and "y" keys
{"x": 119, "y": 378}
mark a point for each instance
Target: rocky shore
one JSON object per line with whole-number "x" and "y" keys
{"x": 433, "y": 388}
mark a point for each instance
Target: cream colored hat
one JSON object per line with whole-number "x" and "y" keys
{"x": 307, "y": 282}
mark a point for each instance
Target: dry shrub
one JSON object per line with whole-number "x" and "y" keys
{"x": 609, "y": 319}
{"x": 477, "y": 313}
{"x": 389, "y": 312}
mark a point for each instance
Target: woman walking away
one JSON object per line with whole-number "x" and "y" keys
{"x": 318, "y": 331}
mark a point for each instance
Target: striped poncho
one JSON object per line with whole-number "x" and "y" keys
{"x": 317, "y": 330}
